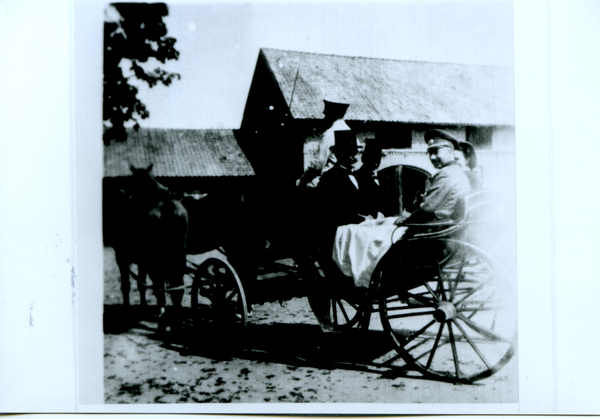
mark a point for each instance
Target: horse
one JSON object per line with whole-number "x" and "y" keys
{"x": 152, "y": 231}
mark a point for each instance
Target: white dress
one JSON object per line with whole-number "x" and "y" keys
{"x": 359, "y": 247}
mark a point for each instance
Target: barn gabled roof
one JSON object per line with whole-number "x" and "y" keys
{"x": 178, "y": 153}
{"x": 394, "y": 90}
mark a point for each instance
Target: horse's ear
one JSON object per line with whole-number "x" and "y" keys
{"x": 150, "y": 167}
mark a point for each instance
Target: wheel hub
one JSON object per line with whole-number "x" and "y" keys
{"x": 445, "y": 311}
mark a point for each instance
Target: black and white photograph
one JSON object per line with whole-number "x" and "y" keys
{"x": 309, "y": 203}
{"x": 298, "y": 207}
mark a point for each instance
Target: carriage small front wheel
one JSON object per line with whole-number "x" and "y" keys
{"x": 218, "y": 295}
{"x": 453, "y": 314}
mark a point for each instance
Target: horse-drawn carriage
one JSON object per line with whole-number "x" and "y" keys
{"x": 447, "y": 305}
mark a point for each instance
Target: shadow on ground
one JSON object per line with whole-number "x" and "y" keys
{"x": 289, "y": 344}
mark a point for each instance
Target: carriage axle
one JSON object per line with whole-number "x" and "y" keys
{"x": 445, "y": 311}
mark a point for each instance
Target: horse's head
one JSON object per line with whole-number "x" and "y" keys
{"x": 144, "y": 182}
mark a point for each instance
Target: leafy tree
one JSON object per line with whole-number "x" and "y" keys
{"x": 136, "y": 35}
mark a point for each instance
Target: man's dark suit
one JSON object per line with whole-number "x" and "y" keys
{"x": 339, "y": 204}
{"x": 370, "y": 192}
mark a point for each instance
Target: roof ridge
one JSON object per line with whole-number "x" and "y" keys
{"x": 384, "y": 59}
{"x": 131, "y": 129}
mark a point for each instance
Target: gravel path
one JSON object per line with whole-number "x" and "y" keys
{"x": 282, "y": 357}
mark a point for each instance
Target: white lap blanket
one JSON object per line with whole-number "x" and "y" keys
{"x": 359, "y": 247}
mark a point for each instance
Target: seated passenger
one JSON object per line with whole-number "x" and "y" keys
{"x": 338, "y": 191}
{"x": 447, "y": 185}
{"x": 467, "y": 160}
{"x": 368, "y": 183}
{"x": 358, "y": 248}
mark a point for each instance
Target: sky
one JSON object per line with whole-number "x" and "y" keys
{"x": 219, "y": 46}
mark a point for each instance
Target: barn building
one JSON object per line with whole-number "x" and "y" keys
{"x": 186, "y": 161}
{"x": 391, "y": 100}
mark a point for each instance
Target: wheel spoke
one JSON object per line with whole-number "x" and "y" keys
{"x": 435, "y": 345}
{"x": 473, "y": 291}
{"x": 475, "y": 348}
{"x": 482, "y": 330}
{"x": 418, "y": 332}
{"x": 394, "y": 299}
{"x": 231, "y": 296}
{"x": 412, "y": 348}
{"x": 431, "y": 290}
{"x": 481, "y": 307}
{"x": 354, "y": 306}
{"x": 428, "y": 302}
{"x": 420, "y": 294}
{"x": 454, "y": 352}
{"x": 440, "y": 281}
{"x": 334, "y": 310}
{"x": 423, "y": 303}
{"x": 457, "y": 279}
{"x": 420, "y": 313}
{"x": 339, "y": 302}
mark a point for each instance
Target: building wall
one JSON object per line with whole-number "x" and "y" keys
{"x": 504, "y": 139}
{"x": 268, "y": 133}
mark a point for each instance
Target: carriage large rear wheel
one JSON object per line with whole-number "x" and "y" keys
{"x": 453, "y": 316}
{"x": 218, "y": 295}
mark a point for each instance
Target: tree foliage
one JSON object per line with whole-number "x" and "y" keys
{"x": 135, "y": 36}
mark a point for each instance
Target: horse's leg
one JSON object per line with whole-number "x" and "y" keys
{"x": 158, "y": 287}
{"x": 177, "y": 296}
{"x": 123, "y": 263}
{"x": 142, "y": 275}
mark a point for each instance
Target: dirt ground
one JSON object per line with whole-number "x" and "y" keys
{"x": 282, "y": 356}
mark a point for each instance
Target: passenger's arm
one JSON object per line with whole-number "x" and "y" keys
{"x": 436, "y": 194}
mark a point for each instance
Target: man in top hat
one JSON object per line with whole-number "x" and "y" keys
{"x": 366, "y": 176}
{"x": 338, "y": 191}
{"x": 447, "y": 185}
{"x": 337, "y": 203}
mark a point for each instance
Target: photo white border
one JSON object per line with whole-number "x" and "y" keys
{"x": 56, "y": 365}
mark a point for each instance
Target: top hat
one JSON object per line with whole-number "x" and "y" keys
{"x": 372, "y": 145}
{"x": 436, "y": 138}
{"x": 469, "y": 151}
{"x": 345, "y": 142}
{"x": 373, "y": 149}
{"x": 335, "y": 108}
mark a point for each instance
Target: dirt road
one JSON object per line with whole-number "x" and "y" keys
{"x": 281, "y": 357}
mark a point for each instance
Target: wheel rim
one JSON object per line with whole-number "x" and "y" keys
{"x": 218, "y": 295}
{"x": 462, "y": 327}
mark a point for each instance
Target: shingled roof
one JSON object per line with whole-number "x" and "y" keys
{"x": 393, "y": 90}
{"x": 178, "y": 153}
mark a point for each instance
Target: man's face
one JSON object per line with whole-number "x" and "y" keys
{"x": 358, "y": 158}
{"x": 441, "y": 156}
{"x": 460, "y": 159}
{"x": 346, "y": 158}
